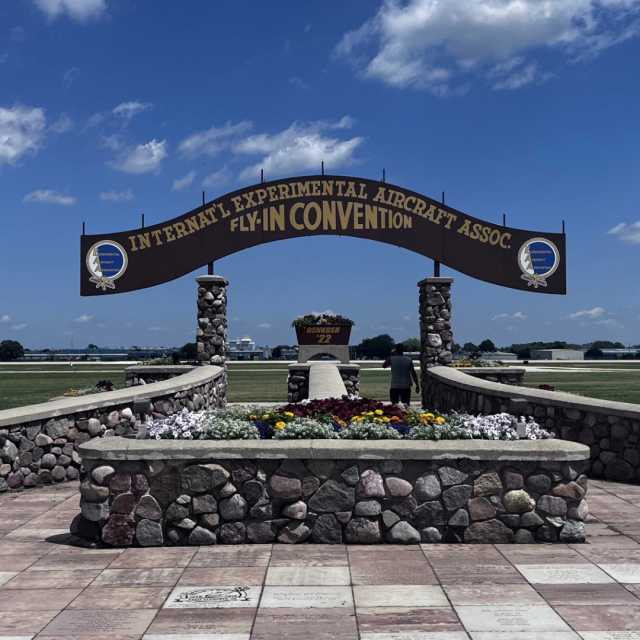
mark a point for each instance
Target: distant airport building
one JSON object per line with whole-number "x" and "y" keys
{"x": 103, "y": 354}
{"x": 557, "y": 354}
{"x": 246, "y": 349}
{"x": 498, "y": 356}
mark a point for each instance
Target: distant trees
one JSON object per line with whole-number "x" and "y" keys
{"x": 276, "y": 352}
{"x": 487, "y": 345}
{"x": 188, "y": 351}
{"x": 606, "y": 344}
{"x": 10, "y": 350}
{"x": 92, "y": 347}
{"x": 411, "y": 344}
{"x": 593, "y": 354}
{"x": 376, "y": 347}
{"x": 469, "y": 347}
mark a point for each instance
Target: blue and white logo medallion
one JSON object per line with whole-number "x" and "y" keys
{"x": 106, "y": 262}
{"x": 538, "y": 259}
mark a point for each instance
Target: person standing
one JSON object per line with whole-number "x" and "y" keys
{"x": 402, "y": 374}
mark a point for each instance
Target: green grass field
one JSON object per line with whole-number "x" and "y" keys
{"x": 623, "y": 386}
{"x": 267, "y": 382}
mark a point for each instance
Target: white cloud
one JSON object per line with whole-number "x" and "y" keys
{"x": 95, "y": 120}
{"x": 83, "y": 319}
{"x": 69, "y": 76}
{"x": 298, "y": 82}
{"x": 627, "y": 232}
{"x": 129, "y": 110}
{"x": 48, "y": 196}
{"x": 435, "y": 45}
{"x": 518, "y": 315}
{"x": 63, "y": 124}
{"x": 186, "y": 181}
{"x": 302, "y": 146}
{"x": 144, "y": 158}
{"x": 117, "y": 196}
{"x": 5, "y": 318}
{"x": 113, "y": 142}
{"x": 610, "y": 322}
{"x": 21, "y": 132}
{"x": 265, "y": 325}
{"x": 213, "y": 140}
{"x": 19, "y": 327}
{"x": 217, "y": 178}
{"x": 80, "y": 10}
{"x": 589, "y": 314}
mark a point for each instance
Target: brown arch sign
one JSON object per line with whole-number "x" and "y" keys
{"x": 322, "y": 205}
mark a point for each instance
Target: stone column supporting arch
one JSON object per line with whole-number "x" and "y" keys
{"x": 211, "y": 333}
{"x": 436, "y": 336}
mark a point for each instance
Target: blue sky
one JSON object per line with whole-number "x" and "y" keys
{"x": 111, "y": 108}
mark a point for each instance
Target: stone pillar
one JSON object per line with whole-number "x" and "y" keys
{"x": 436, "y": 337}
{"x": 211, "y": 334}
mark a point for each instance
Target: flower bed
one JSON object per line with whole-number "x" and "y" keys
{"x": 355, "y": 419}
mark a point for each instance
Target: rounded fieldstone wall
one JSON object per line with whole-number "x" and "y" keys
{"x": 195, "y": 493}
{"x": 611, "y": 430}
{"x": 38, "y": 443}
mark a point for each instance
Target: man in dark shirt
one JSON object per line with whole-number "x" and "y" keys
{"x": 402, "y": 373}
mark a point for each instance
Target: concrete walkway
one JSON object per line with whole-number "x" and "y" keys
{"x": 325, "y": 381}
{"x": 51, "y": 590}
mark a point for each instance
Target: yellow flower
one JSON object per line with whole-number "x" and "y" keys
{"x": 385, "y": 419}
{"x": 429, "y": 416}
{"x": 265, "y": 416}
{"x": 378, "y": 412}
{"x": 280, "y": 424}
{"x": 369, "y": 413}
{"x": 440, "y": 420}
{"x": 289, "y": 414}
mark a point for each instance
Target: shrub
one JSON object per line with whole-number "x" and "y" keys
{"x": 370, "y": 431}
{"x": 499, "y": 426}
{"x": 184, "y": 425}
{"x": 230, "y": 428}
{"x": 327, "y": 317}
{"x": 302, "y": 428}
{"x": 437, "y": 432}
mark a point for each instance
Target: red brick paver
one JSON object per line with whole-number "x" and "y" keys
{"x": 50, "y": 590}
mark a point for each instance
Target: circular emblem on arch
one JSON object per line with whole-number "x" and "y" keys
{"x": 538, "y": 259}
{"x": 106, "y": 261}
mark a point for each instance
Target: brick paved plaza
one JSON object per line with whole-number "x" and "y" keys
{"x": 432, "y": 592}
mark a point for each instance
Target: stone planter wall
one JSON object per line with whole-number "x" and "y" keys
{"x": 152, "y": 493}
{"x": 610, "y": 429}
{"x": 298, "y": 380}
{"x": 38, "y": 443}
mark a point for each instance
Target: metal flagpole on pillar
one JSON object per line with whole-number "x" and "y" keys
{"x": 436, "y": 263}
{"x": 210, "y": 265}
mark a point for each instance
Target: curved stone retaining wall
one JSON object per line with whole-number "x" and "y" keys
{"x": 38, "y": 443}
{"x": 610, "y": 429}
{"x": 151, "y": 493}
